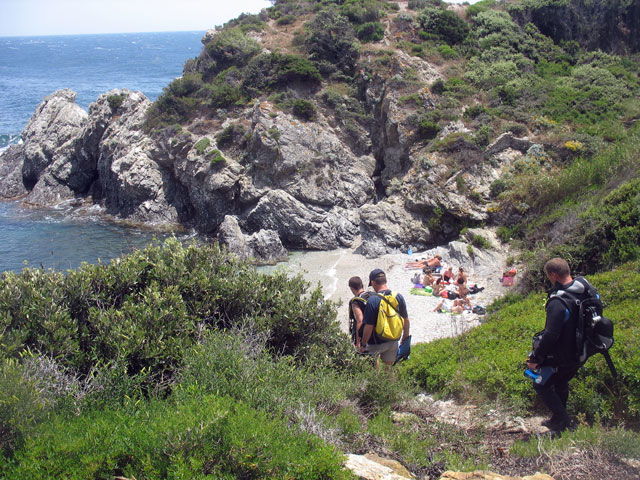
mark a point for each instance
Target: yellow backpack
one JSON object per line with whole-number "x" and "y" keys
{"x": 390, "y": 323}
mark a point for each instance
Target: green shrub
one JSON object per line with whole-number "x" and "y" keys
{"x": 115, "y": 101}
{"x": 145, "y": 309}
{"x": 286, "y": 20}
{"x": 361, "y": 11}
{"x": 225, "y": 137}
{"x": 475, "y": 111}
{"x": 202, "y": 145}
{"x": 370, "y": 32}
{"x": 428, "y": 129}
{"x": 275, "y": 70}
{"x": 215, "y": 157}
{"x": 238, "y": 364}
{"x": 480, "y": 242}
{"x": 204, "y": 436}
{"x": 332, "y": 40}
{"x": 443, "y": 23}
{"x": 447, "y": 52}
{"x": 21, "y": 406}
{"x": 303, "y": 109}
{"x": 229, "y": 47}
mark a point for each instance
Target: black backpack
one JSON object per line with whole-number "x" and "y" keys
{"x": 352, "y": 320}
{"x": 594, "y": 332}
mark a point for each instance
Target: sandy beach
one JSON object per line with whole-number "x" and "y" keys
{"x": 334, "y": 268}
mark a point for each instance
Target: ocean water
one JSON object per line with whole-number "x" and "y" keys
{"x": 34, "y": 67}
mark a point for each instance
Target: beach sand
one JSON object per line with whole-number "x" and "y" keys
{"x": 333, "y": 269}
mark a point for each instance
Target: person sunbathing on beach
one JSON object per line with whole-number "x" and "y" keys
{"x": 463, "y": 291}
{"x": 448, "y": 306}
{"x": 432, "y": 262}
{"x": 428, "y": 280}
{"x": 448, "y": 275}
{"x": 462, "y": 275}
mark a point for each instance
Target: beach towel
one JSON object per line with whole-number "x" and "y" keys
{"x": 420, "y": 291}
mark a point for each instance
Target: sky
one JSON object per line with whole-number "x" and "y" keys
{"x": 73, "y": 17}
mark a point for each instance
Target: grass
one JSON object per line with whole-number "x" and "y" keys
{"x": 487, "y": 363}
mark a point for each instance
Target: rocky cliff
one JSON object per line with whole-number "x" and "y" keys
{"x": 262, "y": 172}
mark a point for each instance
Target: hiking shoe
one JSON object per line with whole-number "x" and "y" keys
{"x": 556, "y": 426}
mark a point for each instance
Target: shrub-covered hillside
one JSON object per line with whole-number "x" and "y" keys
{"x": 316, "y": 121}
{"x": 451, "y": 80}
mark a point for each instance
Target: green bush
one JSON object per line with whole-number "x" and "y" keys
{"x": 238, "y": 364}
{"x": 428, "y": 129}
{"x": 276, "y": 70}
{"x": 447, "y": 52}
{"x": 229, "y": 47}
{"x": 361, "y": 11}
{"x": 143, "y": 310}
{"x": 370, "y": 32}
{"x": 332, "y": 40}
{"x": 286, "y": 20}
{"x": 115, "y": 101}
{"x": 303, "y": 109}
{"x": 225, "y": 137}
{"x": 203, "y": 436}
{"x": 202, "y": 145}
{"x": 443, "y": 23}
{"x": 21, "y": 406}
{"x": 215, "y": 157}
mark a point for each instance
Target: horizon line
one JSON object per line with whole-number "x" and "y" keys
{"x": 100, "y": 33}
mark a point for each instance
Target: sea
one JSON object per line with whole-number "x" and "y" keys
{"x": 32, "y": 68}
{"x": 64, "y": 237}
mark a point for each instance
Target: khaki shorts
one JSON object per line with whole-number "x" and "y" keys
{"x": 388, "y": 351}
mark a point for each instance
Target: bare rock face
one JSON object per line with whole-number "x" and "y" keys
{"x": 211, "y": 189}
{"x": 49, "y": 138}
{"x": 263, "y": 246}
{"x": 11, "y": 162}
{"x": 301, "y": 225}
{"x": 307, "y": 160}
{"x": 373, "y": 467}
{"x": 133, "y": 184}
{"x": 387, "y": 225}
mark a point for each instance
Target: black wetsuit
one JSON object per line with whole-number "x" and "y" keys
{"x": 557, "y": 348}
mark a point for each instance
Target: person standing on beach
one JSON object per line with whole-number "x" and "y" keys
{"x": 356, "y": 309}
{"x": 372, "y": 343}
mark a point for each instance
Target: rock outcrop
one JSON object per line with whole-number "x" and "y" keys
{"x": 284, "y": 181}
{"x": 265, "y": 245}
{"x": 373, "y": 467}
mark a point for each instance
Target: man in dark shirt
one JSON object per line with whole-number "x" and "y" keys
{"x": 556, "y": 347}
{"x": 373, "y": 343}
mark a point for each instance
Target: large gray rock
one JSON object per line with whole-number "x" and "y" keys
{"x": 11, "y": 161}
{"x": 133, "y": 184}
{"x": 212, "y": 190}
{"x": 387, "y": 227}
{"x": 303, "y": 226}
{"x": 263, "y": 246}
{"x": 307, "y": 160}
{"x": 49, "y": 148}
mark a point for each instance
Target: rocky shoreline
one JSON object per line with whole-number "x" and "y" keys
{"x": 262, "y": 183}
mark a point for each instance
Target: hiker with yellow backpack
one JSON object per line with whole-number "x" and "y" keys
{"x": 386, "y": 320}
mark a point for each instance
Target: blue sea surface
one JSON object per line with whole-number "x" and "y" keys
{"x": 32, "y": 68}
